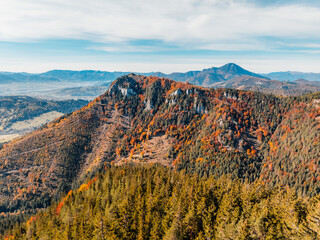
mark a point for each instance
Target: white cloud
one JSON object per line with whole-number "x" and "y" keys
{"x": 123, "y": 47}
{"x": 200, "y": 24}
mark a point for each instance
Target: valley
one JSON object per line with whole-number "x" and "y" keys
{"x": 22, "y": 114}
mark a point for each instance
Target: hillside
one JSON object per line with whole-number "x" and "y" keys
{"x": 256, "y": 84}
{"x": 307, "y": 82}
{"x": 21, "y": 114}
{"x": 77, "y": 93}
{"x": 85, "y": 75}
{"x": 209, "y": 76}
{"x": 10, "y": 77}
{"x": 157, "y": 203}
{"x": 156, "y": 120}
{"x": 292, "y": 76}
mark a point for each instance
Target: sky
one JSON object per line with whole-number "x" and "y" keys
{"x": 159, "y": 35}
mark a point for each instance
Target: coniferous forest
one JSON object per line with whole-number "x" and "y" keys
{"x": 155, "y": 202}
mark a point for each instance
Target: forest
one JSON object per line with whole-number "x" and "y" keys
{"x": 156, "y": 202}
{"x": 157, "y": 159}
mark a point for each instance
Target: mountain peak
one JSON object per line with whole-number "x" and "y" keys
{"x": 127, "y": 85}
{"x": 231, "y": 66}
{"x": 232, "y": 70}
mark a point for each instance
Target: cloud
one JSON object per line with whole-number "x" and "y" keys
{"x": 191, "y": 24}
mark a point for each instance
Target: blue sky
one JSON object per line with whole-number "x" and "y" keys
{"x": 144, "y": 35}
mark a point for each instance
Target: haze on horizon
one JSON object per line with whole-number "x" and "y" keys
{"x": 167, "y": 36}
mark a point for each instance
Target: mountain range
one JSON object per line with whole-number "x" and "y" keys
{"x": 207, "y": 77}
{"x": 204, "y": 77}
{"x": 235, "y": 77}
{"x": 66, "y": 84}
{"x": 9, "y": 77}
{"x": 292, "y": 76}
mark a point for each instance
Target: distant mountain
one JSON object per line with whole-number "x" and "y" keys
{"x": 86, "y": 75}
{"x": 235, "y": 77}
{"x": 87, "y": 84}
{"x": 4, "y": 78}
{"x": 307, "y": 82}
{"x": 292, "y": 76}
{"x": 7, "y": 77}
{"x": 269, "y": 86}
{"x": 85, "y": 93}
{"x": 58, "y": 84}
{"x": 207, "y": 77}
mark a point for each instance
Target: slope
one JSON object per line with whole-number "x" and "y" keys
{"x": 150, "y": 119}
{"x": 158, "y": 203}
{"x": 21, "y": 114}
{"x": 207, "y": 77}
{"x": 269, "y": 86}
{"x": 292, "y": 76}
{"x": 43, "y": 164}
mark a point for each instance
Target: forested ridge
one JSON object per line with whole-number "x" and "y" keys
{"x": 154, "y": 202}
{"x": 19, "y": 108}
{"x": 250, "y": 137}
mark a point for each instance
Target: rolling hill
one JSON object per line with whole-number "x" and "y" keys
{"x": 9, "y": 77}
{"x": 75, "y": 93}
{"x": 85, "y": 75}
{"x": 256, "y": 84}
{"x": 21, "y": 114}
{"x": 292, "y": 76}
